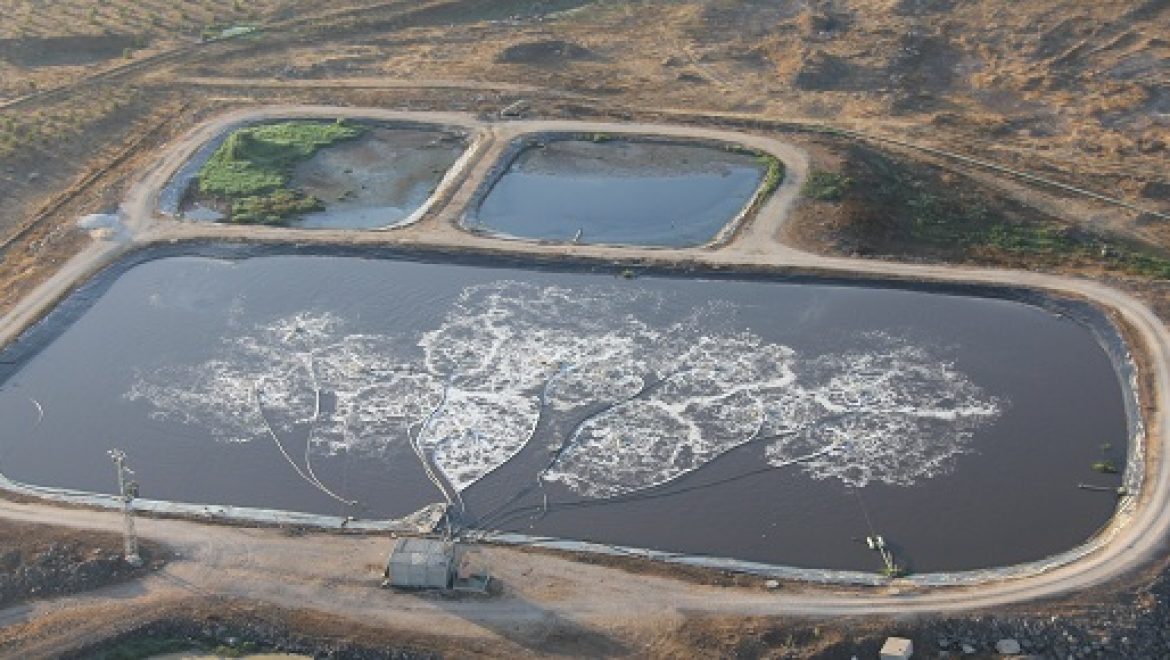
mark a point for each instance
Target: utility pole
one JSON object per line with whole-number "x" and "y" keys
{"x": 127, "y": 491}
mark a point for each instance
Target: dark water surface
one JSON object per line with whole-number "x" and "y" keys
{"x": 621, "y": 192}
{"x": 960, "y": 426}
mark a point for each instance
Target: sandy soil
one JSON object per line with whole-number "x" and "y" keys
{"x": 39, "y": 560}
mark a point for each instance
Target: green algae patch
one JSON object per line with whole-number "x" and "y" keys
{"x": 252, "y": 169}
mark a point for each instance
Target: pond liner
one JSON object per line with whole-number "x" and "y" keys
{"x": 469, "y": 221}
{"x": 814, "y": 575}
{"x": 424, "y": 521}
{"x": 1094, "y": 318}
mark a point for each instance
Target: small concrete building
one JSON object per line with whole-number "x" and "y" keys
{"x": 423, "y": 564}
{"x": 897, "y": 648}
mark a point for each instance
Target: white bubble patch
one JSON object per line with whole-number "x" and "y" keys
{"x": 895, "y": 415}
{"x": 624, "y": 404}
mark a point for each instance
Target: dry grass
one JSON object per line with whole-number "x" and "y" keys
{"x": 42, "y": 150}
{"x": 41, "y": 132}
{"x": 44, "y": 45}
{"x": 1067, "y": 81}
{"x": 155, "y": 19}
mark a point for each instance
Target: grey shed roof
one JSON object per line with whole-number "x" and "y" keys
{"x": 421, "y": 563}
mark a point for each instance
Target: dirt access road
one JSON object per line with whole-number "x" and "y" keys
{"x": 337, "y": 573}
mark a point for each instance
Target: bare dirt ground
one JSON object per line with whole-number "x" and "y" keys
{"x": 39, "y": 561}
{"x": 1073, "y": 91}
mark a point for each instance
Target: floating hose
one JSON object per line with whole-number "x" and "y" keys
{"x": 646, "y": 387}
{"x": 864, "y": 512}
{"x": 280, "y": 446}
{"x": 40, "y": 411}
{"x": 416, "y": 444}
{"x": 544, "y": 397}
{"x": 641, "y": 494}
{"x": 316, "y": 418}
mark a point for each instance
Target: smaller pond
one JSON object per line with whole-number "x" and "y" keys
{"x": 379, "y": 180}
{"x": 623, "y": 192}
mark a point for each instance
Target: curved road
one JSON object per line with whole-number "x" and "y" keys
{"x": 336, "y": 573}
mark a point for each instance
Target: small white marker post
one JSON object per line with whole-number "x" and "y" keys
{"x": 127, "y": 491}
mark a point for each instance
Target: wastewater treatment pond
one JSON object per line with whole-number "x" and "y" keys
{"x": 622, "y": 191}
{"x": 775, "y": 421}
{"x": 314, "y": 174}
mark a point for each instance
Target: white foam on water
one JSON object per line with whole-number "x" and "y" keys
{"x": 477, "y": 432}
{"x": 895, "y": 414}
{"x": 276, "y": 374}
{"x": 643, "y": 404}
{"x": 711, "y": 404}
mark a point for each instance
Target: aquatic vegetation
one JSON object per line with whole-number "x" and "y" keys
{"x": 274, "y": 207}
{"x": 1105, "y": 467}
{"x": 826, "y": 186}
{"x": 774, "y": 169}
{"x": 251, "y": 170}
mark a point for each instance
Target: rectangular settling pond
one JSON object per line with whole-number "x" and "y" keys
{"x": 314, "y": 174}
{"x": 622, "y": 192}
{"x": 761, "y": 420}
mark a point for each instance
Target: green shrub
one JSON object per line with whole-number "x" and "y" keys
{"x": 774, "y": 175}
{"x": 253, "y": 166}
{"x": 274, "y": 207}
{"x": 259, "y": 159}
{"x": 827, "y": 186}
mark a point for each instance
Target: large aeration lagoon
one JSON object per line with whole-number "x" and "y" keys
{"x": 776, "y": 421}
